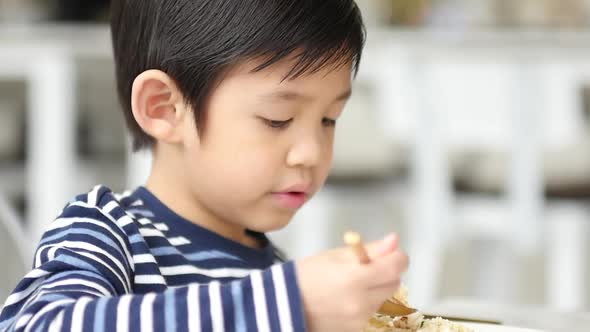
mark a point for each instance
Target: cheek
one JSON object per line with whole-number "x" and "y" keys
{"x": 244, "y": 171}
{"x": 328, "y": 150}
{"x": 325, "y": 165}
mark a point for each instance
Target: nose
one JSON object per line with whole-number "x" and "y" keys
{"x": 306, "y": 151}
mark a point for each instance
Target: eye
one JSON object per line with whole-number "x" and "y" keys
{"x": 327, "y": 122}
{"x": 277, "y": 124}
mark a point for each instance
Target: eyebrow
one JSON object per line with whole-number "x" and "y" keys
{"x": 288, "y": 95}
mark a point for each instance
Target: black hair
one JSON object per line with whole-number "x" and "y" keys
{"x": 196, "y": 41}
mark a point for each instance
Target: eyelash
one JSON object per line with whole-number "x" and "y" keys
{"x": 329, "y": 122}
{"x": 275, "y": 124}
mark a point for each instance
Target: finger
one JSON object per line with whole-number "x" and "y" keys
{"x": 382, "y": 247}
{"x": 377, "y": 296}
{"x": 387, "y": 269}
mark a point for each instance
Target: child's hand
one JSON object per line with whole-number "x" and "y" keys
{"x": 340, "y": 294}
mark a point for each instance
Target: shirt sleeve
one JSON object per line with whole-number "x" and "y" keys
{"x": 82, "y": 280}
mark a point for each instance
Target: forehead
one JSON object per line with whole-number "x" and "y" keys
{"x": 328, "y": 78}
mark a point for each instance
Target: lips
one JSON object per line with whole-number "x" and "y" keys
{"x": 292, "y": 197}
{"x": 300, "y": 187}
{"x": 291, "y": 200}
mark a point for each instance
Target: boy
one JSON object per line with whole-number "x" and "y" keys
{"x": 238, "y": 102}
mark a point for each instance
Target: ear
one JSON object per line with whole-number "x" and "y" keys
{"x": 158, "y": 106}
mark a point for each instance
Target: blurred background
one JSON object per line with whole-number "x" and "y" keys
{"x": 468, "y": 134}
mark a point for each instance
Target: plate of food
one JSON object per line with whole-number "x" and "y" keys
{"x": 400, "y": 317}
{"x": 418, "y": 322}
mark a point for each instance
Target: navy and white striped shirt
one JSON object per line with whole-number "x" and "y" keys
{"x": 127, "y": 262}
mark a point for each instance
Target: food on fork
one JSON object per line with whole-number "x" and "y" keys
{"x": 414, "y": 322}
{"x": 411, "y": 323}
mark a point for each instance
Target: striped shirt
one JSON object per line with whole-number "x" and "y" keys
{"x": 126, "y": 262}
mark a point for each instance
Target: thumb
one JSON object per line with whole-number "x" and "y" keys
{"x": 382, "y": 247}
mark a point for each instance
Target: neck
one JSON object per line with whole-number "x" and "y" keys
{"x": 170, "y": 184}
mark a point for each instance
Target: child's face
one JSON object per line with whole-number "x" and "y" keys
{"x": 267, "y": 145}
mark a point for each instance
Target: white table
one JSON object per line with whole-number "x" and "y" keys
{"x": 513, "y": 315}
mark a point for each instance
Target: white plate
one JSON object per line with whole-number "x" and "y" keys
{"x": 496, "y": 328}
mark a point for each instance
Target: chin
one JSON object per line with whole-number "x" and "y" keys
{"x": 271, "y": 224}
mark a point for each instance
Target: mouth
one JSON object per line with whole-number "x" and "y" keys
{"x": 291, "y": 199}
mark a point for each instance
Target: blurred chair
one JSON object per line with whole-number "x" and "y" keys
{"x": 563, "y": 153}
{"x": 15, "y": 246}
{"x": 514, "y": 105}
